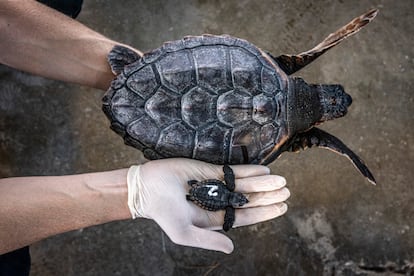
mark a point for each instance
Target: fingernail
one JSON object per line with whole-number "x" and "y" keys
{"x": 229, "y": 249}
{"x": 283, "y": 208}
{"x": 278, "y": 181}
{"x": 283, "y": 180}
{"x": 285, "y": 192}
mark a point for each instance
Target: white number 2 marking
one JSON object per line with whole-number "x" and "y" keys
{"x": 213, "y": 190}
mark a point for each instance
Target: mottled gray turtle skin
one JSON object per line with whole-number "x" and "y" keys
{"x": 223, "y": 100}
{"x": 214, "y": 195}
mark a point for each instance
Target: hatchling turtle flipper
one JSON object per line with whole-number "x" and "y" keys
{"x": 192, "y": 182}
{"x": 320, "y": 138}
{"x": 229, "y": 177}
{"x": 229, "y": 218}
{"x": 292, "y": 63}
{"x": 120, "y": 56}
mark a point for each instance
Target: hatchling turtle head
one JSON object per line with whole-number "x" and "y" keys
{"x": 334, "y": 101}
{"x": 237, "y": 199}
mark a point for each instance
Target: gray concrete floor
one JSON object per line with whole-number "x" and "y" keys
{"x": 337, "y": 223}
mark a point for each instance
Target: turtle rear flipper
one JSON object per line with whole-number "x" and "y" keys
{"x": 320, "y": 138}
{"x": 121, "y": 56}
{"x": 292, "y": 63}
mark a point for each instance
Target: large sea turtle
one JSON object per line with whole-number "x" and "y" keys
{"x": 223, "y": 100}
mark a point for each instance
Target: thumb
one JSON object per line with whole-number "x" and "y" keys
{"x": 203, "y": 238}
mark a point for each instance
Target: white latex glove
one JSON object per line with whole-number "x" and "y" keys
{"x": 157, "y": 190}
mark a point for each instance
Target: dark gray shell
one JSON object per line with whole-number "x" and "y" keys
{"x": 222, "y": 100}
{"x": 214, "y": 98}
{"x": 211, "y": 194}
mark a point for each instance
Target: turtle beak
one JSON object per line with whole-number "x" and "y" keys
{"x": 334, "y": 101}
{"x": 346, "y": 98}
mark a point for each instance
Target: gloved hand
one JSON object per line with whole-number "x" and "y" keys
{"x": 157, "y": 190}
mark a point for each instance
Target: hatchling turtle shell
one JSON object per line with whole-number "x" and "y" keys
{"x": 223, "y": 100}
{"x": 214, "y": 195}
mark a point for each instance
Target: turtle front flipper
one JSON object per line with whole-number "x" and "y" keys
{"x": 229, "y": 218}
{"x": 120, "y": 56}
{"x": 320, "y": 138}
{"x": 292, "y": 63}
{"x": 192, "y": 182}
{"x": 229, "y": 177}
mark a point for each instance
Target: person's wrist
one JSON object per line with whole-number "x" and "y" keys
{"x": 112, "y": 194}
{"x": 133, "y": 193}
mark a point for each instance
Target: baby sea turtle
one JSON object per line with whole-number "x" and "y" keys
{"x": 214, "y": 195}
{"x": 223, "y": 100}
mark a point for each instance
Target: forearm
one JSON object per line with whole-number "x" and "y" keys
{"x": 33, "y": 208}
{"x": 42, "y": 41}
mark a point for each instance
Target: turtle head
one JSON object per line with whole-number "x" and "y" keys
{"x": 334, "y": 101}
{"x": 237, "y": 200}
{"x": 311, "y": 104}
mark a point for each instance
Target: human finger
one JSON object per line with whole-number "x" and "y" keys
{"x": 266, "y": 198}
{"x": 260, "y": 183}
{"x": 242, "y": 171}
{"x": 203, "y": 238}
{"x": 255, "y": 215}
